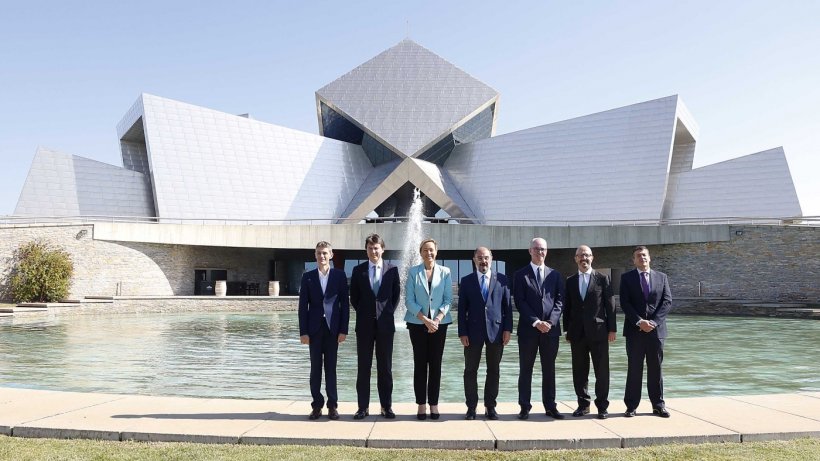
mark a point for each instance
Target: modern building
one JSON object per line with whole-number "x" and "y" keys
{"x": 406, "y": 119}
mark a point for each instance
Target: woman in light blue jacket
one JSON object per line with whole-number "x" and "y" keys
{"x": 429, "y": 293}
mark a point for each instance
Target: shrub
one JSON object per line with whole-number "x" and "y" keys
{"x": 41, "y": 273}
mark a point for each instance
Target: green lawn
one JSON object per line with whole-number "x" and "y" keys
{"x": 14, "y": 448}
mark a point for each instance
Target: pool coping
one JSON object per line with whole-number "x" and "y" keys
{"x": 56, "y": 414}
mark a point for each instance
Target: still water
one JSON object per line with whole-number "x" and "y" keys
{"x": 258, "y": 356}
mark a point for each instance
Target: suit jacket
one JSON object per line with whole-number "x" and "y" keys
{"x": 419, "y": 299}
{"x": 482, "y": 320}
{"x": 636, "y": 306}
{"x": 312, "y": 303}
{"x": 594, "y": 316}
{"x": 538, "y": 304}
{"x": 367, "y": 304}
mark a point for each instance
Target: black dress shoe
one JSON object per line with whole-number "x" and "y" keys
{"x": 555, "y": 414}
{"x": 602, "y": 414}
{"x": 388, "y": 413}
{"x": 630, "y": 413}
{"x": 470, "y": 414}
{"x": 435, "y": 415}
{"x": 332, "y": 413}
{"x": 491, "y": 414}
{"x": 361, "y": 413}
{"x": 523, "y": 414}
{"x": 581, "y": 411}
{"x": 421, "y": 416}
{"x": 315, "y": 414}
{"x": 660, "y": 411}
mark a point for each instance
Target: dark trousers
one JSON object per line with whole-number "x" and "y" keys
{"x": 428, "y": 348}
{"x": 472, "y": 358}
{"x": 582, "y": 350}
{"x": 640, "y": 347}
{"x": 366, "y": 340}
{"x": 528, "y": 347}
{"x": 323, "y": 349}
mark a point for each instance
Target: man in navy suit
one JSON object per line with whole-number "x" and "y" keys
{"x": 589, "y": 322}
{"x": 646, "y": 300}
{"x": 374, "y": 294}
{"x": 539, "y": 297}
{"x": 324, "y": 312}
{"x": 484, "y": 318}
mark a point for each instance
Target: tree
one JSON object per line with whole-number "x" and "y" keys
{"x": 41, "y": 273}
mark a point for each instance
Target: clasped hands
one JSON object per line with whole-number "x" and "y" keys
{"x": 542, "y": 326}
{"x": 431, "y": 324}
{"x": 646, "y": 326}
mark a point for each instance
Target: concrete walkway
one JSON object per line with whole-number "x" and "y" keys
{"x": 35, "y": 413}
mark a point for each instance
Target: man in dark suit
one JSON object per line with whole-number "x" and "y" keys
{"x": 539, "y": 297}
{"x": 589, "y": 322}
{"x": 374, "y": 294}
{"x": 484, "y": 318}
{"x": 646, "y": 300}
{"x": 324, "y": 312}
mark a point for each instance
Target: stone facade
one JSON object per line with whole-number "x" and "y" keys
{"x": 103, "y": 268}
{"x": 767, "y": 263}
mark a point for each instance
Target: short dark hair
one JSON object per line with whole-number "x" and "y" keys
{"x": 374, "y": 239}
{"x": 639, "y": 248}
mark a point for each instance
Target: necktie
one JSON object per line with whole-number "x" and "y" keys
{"x": 375, "y": 282}
{"x": 584, "y": 285}
{"x": 538, "y": 278}
{"x": 645, "y": 284}
{"x": 484, "y": 291}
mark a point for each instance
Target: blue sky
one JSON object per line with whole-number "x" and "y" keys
{"x": 748, "y": 71}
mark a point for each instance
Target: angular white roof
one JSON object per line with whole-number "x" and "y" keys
{"x": 407, "y": 97}
{"x": 60, "y": 184}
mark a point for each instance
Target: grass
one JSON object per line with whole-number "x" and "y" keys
{"x": 14, "y": 448}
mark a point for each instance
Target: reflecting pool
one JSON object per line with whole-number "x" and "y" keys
{"x": 258, "y": 356}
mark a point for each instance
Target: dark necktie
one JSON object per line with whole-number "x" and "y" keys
{"x": 645, "y": 284}
{"x": 538, "y": 279}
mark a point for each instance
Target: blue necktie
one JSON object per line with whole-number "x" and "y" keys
{"x": 484, "y": 291}
{"x": 376, "y": 280}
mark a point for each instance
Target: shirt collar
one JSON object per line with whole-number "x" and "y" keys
{"x": 534, "y": 267}
{"x": 370, "y": 264}
{"x": 589, "y": 272}
{"x": 489, "y": 274}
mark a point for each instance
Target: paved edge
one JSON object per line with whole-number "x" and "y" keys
{"x": 47, "y": 424}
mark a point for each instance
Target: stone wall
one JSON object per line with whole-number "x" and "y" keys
{"x": 104, "y": 268}
{"x": 770, "y": 263}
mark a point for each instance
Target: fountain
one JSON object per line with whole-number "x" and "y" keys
{"x": 410, "y": 252}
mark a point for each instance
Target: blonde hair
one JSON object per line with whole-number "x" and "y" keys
{"x": 425, "y": 242}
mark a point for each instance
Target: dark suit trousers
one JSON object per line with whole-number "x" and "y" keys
{"x": 528, "y": 348}
{"x": 640, "y": 347}
{"x": 323, "y": 349}
{"x": 428, "y": 349}
{"x": 366, "y": 340}
{"x": 472, "y": 358}
{"x": 582, "y": 350}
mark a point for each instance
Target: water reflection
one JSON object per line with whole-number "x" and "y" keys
{"x": 258, "y": 356}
